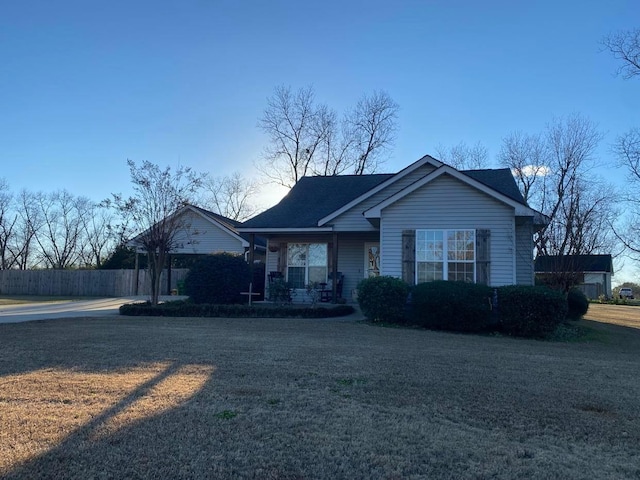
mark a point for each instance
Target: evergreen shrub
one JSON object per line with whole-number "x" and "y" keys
{"x": 455, "y": 306}
{"x": 530, "y": 311}
{"x": 577, "y": 303}
{"x": 218, "y": 279}
{"x": 383, "y": 299}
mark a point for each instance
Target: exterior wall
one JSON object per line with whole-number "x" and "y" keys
{"x": 599, "y": 278}
{"x": 524, "y": 251}
{"x": 447, "y": 203}
{"x": 353, "y": 220}
{"x": 202, "y": 236}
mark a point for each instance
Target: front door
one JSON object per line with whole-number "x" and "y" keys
{"x": 371, "y": 260}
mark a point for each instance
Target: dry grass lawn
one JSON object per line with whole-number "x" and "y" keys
{"x": 300, "y": 399}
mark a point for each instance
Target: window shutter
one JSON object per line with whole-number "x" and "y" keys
{"x": 483, "y": 256}
{"x": 409, "y": 256}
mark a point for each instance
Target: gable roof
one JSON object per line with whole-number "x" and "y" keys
{"x": 500, "y": 179}
{"x": 313, "y": 198}
{"x": 575, "y": 263}
{"x": 227, "y": 224}
{"x": 314, "y": 201}
{"x": 519, "y": 205}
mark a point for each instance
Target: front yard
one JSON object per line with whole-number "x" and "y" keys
{"x": 333, "y": 398}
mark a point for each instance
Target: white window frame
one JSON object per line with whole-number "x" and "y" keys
{"x": 305, "y": 263}
{"x": 446, "y": 252}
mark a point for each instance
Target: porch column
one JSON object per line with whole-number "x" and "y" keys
{"x": 252, "y": 248}
{"x": 137, "y": 267}
{"x": 168, "y": 274}
{"x": 334, "y": 267}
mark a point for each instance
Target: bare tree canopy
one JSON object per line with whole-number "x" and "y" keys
{"x": 305, "y": 137}
{"x": 554, "y": 171}
{"x": 231, "y": 196}
{"x": 625, "y": 46}
{"x": 158, "y": 195}
{"x": 525, "y": 155}
{"x": 463, "y": 156}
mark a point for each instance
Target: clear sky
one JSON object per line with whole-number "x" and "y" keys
{"x": 85, "y": 84}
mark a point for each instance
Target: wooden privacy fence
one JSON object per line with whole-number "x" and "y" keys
{"x": 84, "y": 283}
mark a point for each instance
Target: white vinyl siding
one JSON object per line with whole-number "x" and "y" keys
{"x": 524, "y": 251}
{"x": 199, "y": 235}
{"x": 353, "y": 220}
{"x": 447, "y": 203}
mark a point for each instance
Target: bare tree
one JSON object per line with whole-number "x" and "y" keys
{"x": 627, "y": 151}
{"x": 158, "y": 195}
{"x": 8, "y": 220}
{"x": 625, "y": 46}
{"x": 463, "y": 156}
{"x": 296, "y": 128}
{"x": 231, "y": 196}
{"x": 525, "y": 155}
{"x": 97, "y": 235}
{"x": 305, "y": 137}
{"x": 59, "y": 237}
{"x": 370, "y": 130}
{"x": 554, "y": 171}
{"x": 29, "y": 223}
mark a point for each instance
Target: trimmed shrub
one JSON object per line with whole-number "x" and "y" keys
{"x": 456, "y": 306}
{"x": 383, "y": 299}
{"x": 528, "y": 311}
{"x": 577, "y": 303}
{"x": 190, "y": 309}
{"x": 218, "y": 279}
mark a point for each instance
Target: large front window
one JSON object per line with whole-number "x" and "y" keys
{"x": 445, "y": 255}
{"x": 306, "y": 264}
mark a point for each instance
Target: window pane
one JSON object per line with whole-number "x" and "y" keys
{"x": 296, "y": 277}
{"x": 297, "y": 254}
{"x": 461, "y": 245}
{"x": 317, "y": 275}
{"x": 429, "y": 271}
{"x": 461, "y": 272}
{"x": 318, "y": 254}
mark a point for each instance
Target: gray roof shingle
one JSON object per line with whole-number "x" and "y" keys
{"x": 575, "y": 263}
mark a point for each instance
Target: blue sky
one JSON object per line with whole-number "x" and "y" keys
{"x": 84, "y": 85}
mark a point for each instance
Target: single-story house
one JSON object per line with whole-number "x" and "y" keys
{"x": 427, "y": 222}
{"x": 592, "y": 272}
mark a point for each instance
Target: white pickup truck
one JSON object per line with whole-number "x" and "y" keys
{"x": 626, "y": 293}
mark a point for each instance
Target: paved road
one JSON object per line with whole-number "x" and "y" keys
{"x": 66, "y": 309}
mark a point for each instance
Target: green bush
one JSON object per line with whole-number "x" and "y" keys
{"x": 190, "y": 309}
{"x": 457, "y": 306}
{"x": 528, "y": 311}
{"x": 218, "y": 279}
{"x": 577, "y": 303}
{"x": 383, "y": 299}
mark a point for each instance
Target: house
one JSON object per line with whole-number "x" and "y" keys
{"x": 592, "y": 273}
{"x": 202, "y": 232}
{"x": 429, "y": 221}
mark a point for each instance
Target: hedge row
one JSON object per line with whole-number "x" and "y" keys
{"x": 525, "y": 311}
{"x": 189, "y": 309}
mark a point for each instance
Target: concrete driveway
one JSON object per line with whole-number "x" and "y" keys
{"x": 67, "y": 309}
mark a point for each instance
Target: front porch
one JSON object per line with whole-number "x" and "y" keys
{"x": 308, "y": 264}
